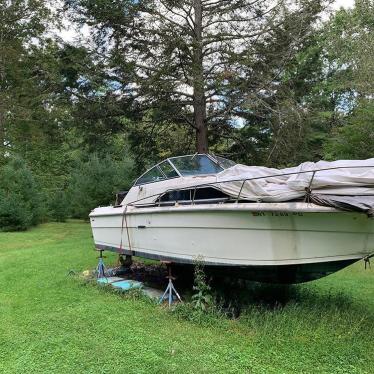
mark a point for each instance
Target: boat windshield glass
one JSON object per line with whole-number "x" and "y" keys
{"x": 168, "y": 170}
{"x": 224, "y": 162}
{"x": 195, "y": 165}
{"x": 153, "y": 175}
{"x": 185, "y": 165}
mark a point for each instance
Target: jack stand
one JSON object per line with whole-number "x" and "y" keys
{"x": 127, "y": 261}
{"x": 367, "y": 260}
{"x": 168, "y": 294}
{"x": 100, "y": 270}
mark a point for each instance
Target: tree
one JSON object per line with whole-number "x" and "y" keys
{"x": 20, "y": 198}
{"x": 196, "y": 62}
{"x": 22, "y": 22}
{"x": 151, "y": 144}
{"x": 348, "y": 46}
{"x": 355, "y": 139}
{"x": 95, "y": 182}
{"x": 58, "y": 207}
{"x": 322, "y": 105}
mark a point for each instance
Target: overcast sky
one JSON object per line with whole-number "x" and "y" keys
{"x": 69, "y": 33}
{"x": 343, "y": 3}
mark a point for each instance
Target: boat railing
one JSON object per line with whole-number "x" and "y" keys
{"x": 308, "y": 189}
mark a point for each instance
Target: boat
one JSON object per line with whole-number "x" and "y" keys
{"x": 279, "y": 226}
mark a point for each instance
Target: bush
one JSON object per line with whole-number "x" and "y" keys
{"x": 58, "y": 207}
{"x": 20, "y": 198}
{"x": 354, "y": 140}
{"x": 202, "y": 298}
{"x": 12, "y": 216}
{"x": 95, "y": 183}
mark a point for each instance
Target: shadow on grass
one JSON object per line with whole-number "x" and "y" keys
{"x": 281, "y": 312}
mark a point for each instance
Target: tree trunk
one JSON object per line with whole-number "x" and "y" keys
{"x": 199, "y": 101}
{"x": 2, "y": 130}
{"x": 2, "y": 106}
{"x": 201, "y": 126}
{"x": 2, "y": 136}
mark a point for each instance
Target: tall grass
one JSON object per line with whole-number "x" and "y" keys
{"x": 50, "y": 323}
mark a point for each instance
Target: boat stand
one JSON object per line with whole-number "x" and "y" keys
{"x": 125, "y": 261}
{"x": 100, "y": 269}
{"x": 367, "y": 260}
{"x": 170, "y": 289}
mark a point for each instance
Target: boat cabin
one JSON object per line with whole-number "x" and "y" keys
{"x": 175, "y": 179}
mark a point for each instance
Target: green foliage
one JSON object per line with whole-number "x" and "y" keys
{"x": 200, "y": 65}
{"x": 12, "y": 215}
{"x": 317, "y": 110}
{"x": 20, "y": 197}
{"x": 299, "y": 92}
{"x": 59, "y": 207}
{"x": 153, "y": 144}
{"x": 202, "y": 298}
{"x": 96, "y": 181}
{"x": 354, "y": 140}
{"x": 22, "y": 24}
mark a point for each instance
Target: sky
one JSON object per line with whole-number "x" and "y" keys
{"x": 69, "y": 33}
{"x": 343, "y": 3}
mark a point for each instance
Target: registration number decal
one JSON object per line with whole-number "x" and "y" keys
{"x": 277, "y": 214}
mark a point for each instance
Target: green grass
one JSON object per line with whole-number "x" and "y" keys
{"x": 53, "y": 323}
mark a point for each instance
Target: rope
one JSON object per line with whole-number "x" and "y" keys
{"x": 124, "y": 220}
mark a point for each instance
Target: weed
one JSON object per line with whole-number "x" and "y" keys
{"x": 202, "y": 299}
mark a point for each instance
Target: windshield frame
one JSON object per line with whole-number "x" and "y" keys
{"x": 211, "y": 157}
{"x": 161, "y": 172}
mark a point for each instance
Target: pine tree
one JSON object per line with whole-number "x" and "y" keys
{"x": 22, "y": 23}
{"x": 197, "y": 62}
{"x": 21, "y": 203}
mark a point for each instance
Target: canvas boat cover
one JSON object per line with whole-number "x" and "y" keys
{"x": 349, "y": 203}
{"x": 275, "y": 185}
{"x": 347, "y": 184}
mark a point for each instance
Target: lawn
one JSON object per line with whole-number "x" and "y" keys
{"x": 53, "y": 323}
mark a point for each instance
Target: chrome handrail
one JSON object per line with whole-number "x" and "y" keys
{"x": 244, "y": 180}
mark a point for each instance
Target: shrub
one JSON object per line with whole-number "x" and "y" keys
{"x": 202, "y": 298}
{"x": 354, "y": 140}
{"x": 58, "y": 206}
{"x": 95, "y": 182}
{"x": 12, "y": 216}
{"x": 20, "y": 198}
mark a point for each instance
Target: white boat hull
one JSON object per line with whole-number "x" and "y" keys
{"x": 240, "y": 236}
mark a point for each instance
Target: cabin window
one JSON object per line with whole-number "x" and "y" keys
{"x": 195, "y": 165}
{"x": 153, "y": 175}
{"x": 205, "y": 193}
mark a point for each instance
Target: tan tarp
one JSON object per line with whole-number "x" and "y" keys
{"x": 355, "y": 177}
{"x": 352, "y": 178}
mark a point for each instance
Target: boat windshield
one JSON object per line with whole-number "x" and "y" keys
{"x": 174, "y": 167}
{"x": 195, "y": 165}
{"x": 224, "y": 162}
